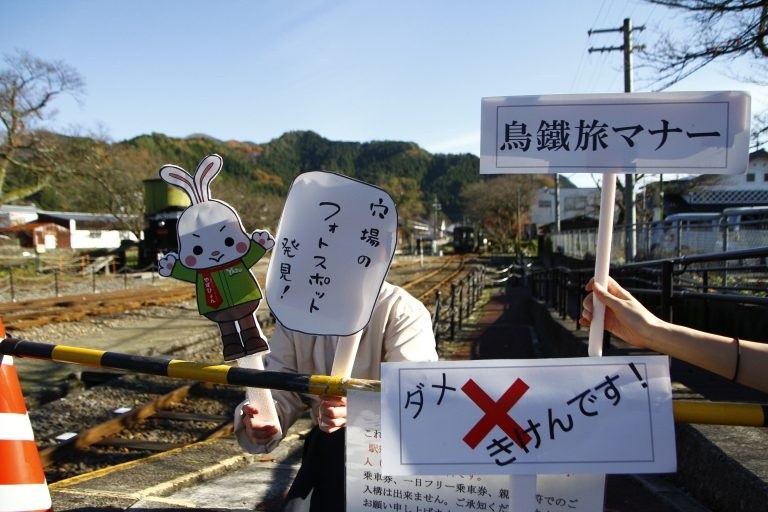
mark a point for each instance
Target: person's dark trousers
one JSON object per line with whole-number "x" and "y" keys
{"x": 319, "y": 484}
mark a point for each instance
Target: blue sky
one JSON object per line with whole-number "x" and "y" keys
{"x": 352, "y": 70}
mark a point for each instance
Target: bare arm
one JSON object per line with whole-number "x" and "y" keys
{"x": 631, "y": 321}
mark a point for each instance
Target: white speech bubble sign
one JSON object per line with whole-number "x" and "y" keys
{"x": 333, "y": 248}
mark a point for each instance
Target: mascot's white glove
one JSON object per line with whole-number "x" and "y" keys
{"x": 166, "y": 263}
{"x": 263, "y": 238}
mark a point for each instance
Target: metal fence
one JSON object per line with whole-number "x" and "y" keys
{"x": 18, "y": 284}
{"x": 451, "y": 311}
{"x": 668, "y": 239}
{"x": 718, "y": 292}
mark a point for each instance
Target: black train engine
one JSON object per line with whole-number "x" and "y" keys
{"x": 163, "y": 205}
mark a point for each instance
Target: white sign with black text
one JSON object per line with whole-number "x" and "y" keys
{"x": 543, "y": 416}
{"x": 674, "y": 132}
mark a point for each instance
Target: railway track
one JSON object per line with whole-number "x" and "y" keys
{"x": 424, "y": 283}
{"x": 35, "y": 312}
{"x": 135, "y": 416}
{"x": 139, "y": 416}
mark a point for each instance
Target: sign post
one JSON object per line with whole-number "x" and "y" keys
{"x": 528, "y": 416}
{"x": 573, "y": 419}
{"x": 680, "y": 132}
{"x": 602, "y": 260}
{"x": 684, "y": 133}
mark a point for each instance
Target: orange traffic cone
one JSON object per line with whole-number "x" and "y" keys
{"x": 22, "y": 482}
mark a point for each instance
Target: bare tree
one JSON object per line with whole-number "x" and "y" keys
{"x": 719, "y": 30}
{"x": 28, "y": 154}
{"x": 501, "y": 204}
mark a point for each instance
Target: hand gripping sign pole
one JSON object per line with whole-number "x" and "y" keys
{"x": 334, "y": 245}
{"x": 691, "y": 132}
{"x": 261, "y": 398}
{"x": 602, "y": 260}
{"x": 698, "y": 132}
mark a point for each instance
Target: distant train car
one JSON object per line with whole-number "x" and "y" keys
{"x": 163, "y": 205}
{"x": 465, "y": 240}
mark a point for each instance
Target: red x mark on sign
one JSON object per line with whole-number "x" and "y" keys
{"x": 496, "y": 413}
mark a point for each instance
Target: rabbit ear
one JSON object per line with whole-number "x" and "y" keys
{"x": 180, "y": 178}
{"x": 207, "y": 169}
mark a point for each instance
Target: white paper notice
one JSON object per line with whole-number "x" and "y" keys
{"x": 333, "y": 248}
{"x": 369, "y": 489}
{"x": 558, "y": 493}
{"x": 545, "y": 416}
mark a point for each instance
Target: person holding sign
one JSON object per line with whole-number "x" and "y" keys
{"x": 741, "y": 361}
{"x": 400, "y": 329}
{"x": 335, "y": 315}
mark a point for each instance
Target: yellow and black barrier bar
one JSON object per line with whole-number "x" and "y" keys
{"x": 720, "y": 413}
{"x": 181, "y": 369}
{"x": 685, "y": 411}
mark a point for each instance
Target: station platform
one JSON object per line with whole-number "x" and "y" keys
{"x": 726, "y": 464}
{"x": 211, "y": 476}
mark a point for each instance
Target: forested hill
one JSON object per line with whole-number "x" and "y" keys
{"x": 269, "y": 168}
{"x": 90, "y": 175}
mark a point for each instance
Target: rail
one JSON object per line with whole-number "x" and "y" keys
{"x": 181, "y": 369}
{"x": 449, "y": 313}
{"x": 684, "y": 290}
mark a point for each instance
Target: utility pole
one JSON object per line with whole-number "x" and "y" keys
{"x": 630, "y": 215}
{"x": 436, "y": 227}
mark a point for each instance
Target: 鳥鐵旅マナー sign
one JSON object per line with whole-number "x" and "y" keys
{"x": 675, "y": 132}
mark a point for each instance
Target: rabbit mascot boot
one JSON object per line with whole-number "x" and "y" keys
{"x": 216, "y": 254}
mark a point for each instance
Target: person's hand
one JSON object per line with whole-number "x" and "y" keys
{"x": 333, "y": 413}
{"x": 258, "y": 430}
{"x": 624, "y": 315}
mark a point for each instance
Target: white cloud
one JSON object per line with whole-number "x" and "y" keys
{"x": 465, "y": 143}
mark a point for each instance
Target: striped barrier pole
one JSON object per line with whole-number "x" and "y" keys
{"x": 720, "y": 413}
{"x": 685, "y": 411}
{"x": 22, "y": 481}
{"x": 181, "y": 369}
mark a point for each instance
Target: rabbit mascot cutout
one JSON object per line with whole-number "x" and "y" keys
{"x": 216, "y": 254}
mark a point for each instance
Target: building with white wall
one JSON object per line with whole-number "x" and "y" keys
{"x": 576, "y": 205}
{"x": 45, "y": 230}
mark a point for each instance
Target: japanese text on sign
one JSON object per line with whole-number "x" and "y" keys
{"x": 609, "y": 415}
{"x": 658, "y": 132}
{"x": 368, "y": 488}
{"x": 334, "y": 245}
